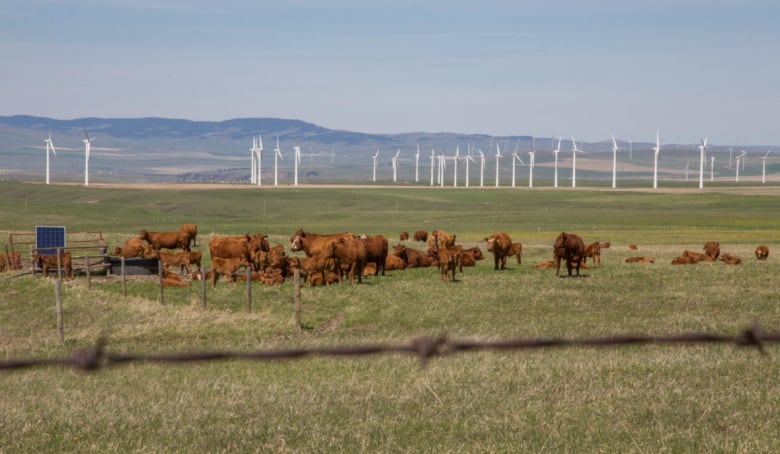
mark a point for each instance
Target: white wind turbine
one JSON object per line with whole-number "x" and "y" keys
{"x": 395, "y": 165}
{"x": 515, "y": 158}
{"x": 257, "y": 160}
{"x": 656, "y": 151}
{"x": 555, "y": 154}
{"x": 87, "y": 148}
{"x": 741, "y": 157}
{"x": 763, "y": 167}
{"x": 702, "y": 149}
{"x": 277, "y": 157}
{"x": 712, "y": 167}
{"x": 296, "y": 161}
{"x": 687, "y": 166}
{"x": 481, "y": 169}
{"x": 614, "y": 162}
{"x": 442, "y": 168}
{"x": 455, "y": 171}
{"x": 531, "y": 158}
{"x": 376, "y": 156}
{"x": 433, "y": 158}
{"x": 498, "y": 156}
{"x": 467, "y": 159}
{"x": 574, "y": 151}
{"x": 417, "y": 165}
{"x": 49, "y": 147}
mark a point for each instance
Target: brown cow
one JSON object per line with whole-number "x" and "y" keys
{"x": 568, "y": 246}
{"x": 226, "y": 266}
{"x": 649, "y": 259}
{"x": 351, "y": 257}
{"x": 712, "y": 249}
{"x": 167, "y": 240}
{"x": 404, "y": 236}
{"x": 499, "y": 244}
{"x": 592, "y": 250}
{"x": 317, "y": 265}
{"x": 376, "y": 252}
{"x": 394, "y": 262}
{"x": 314, "y": 243}
{"x": 195, "y": 258}
{"x": 135, "y": 247}
{"x": 449, "y": 261}
{"x": 243, "y": 246}
{"x": 545, "y": 264}
{"x": 517, "y": 250}
{"x": 174, "y": 259}
{"x": 440, "y": 238}
{"x": 633, "y": 247}
{"x": 729, "y": 259}
{"x": 12, "y": 261}
{"x": 697, "y": 257}
{"x": 683, "y": 260}
{"x": 762, "y": 252}
{"x": 414, "y": 258}
{"x": 421, "y": 236}
{"x": 173, "y": 280}
{"x": 47, "y": 262}
{"x": 192, "y": 232}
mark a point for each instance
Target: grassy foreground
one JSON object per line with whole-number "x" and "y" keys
{"x": 713, "y": 398}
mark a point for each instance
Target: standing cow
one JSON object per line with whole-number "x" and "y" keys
{"x": 568, "y": 246}
{"x": 500, "y": 244}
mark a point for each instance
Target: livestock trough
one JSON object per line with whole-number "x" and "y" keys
{"x": 133, "y": 266}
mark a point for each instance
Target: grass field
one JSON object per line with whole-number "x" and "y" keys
{"x": 709, "y": 398}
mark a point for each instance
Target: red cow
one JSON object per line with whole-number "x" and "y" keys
{"x": 351, "y": 258}
{"x": 314, "y": 243}
{"x": 135, "y": 247}
{"x": 226, "y": 266}
{"x": 376, "y": 252}
{"x": 499, "y": 244}
{"x": 421, "y": 235}
{"x": 167, "y": 240}
{"x": 592, "y": 250}
{"x": 762, "y": 252}
{"x": 570, "y": 247}
{"x": 404, "y": 236}
{"x": 712, "y": 248}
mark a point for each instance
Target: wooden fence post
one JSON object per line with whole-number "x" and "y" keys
{"x": 160, "y": 275}
{"x": 58, "y": 297}
{"x": 249, "y": 289}
{"x": 86, "y": 263}
{"x": 124, "y": 279}
{"x": 298, "y": 309}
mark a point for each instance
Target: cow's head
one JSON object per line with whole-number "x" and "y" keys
{"x": 491, "y": 241}
{"x": 296, "y": 241}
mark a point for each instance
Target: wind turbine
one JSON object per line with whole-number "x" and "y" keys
{"x": 442, "y": 168}
{"x": 481, "y": 169}
{"x": 531, "y": 157}
{"x": 376, "y": 156}
{"x": 50, "y": 147}
{"x": 614, "y": 162}
{"x": 656, "y": 151}
{"x": 296, "y": 161}
{"x": 433, "y": 157}
{"x": 467, "y": 159}
{"x": 87, "y": 143}
{"x": 257, "y": 160}
{"x": 395, "y": 165}
{"x": 763, "y": 167}
{"x": 712, "y": 167}
{"x": 740, "y": 157}
{"x": 574, "y": 151}
{"x": 417, "y": 165}
{"x": 277, "y": 157}
{"x": 555, "y": 154}
{"x": 498, "y": 156}
{"x": 455, "y": 171}
{"x": 702, "y": 147}
{"x": 687, "y": 166}
{"x": 515, "y": 158}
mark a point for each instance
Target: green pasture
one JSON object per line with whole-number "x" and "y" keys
{"x": 659, "y": 398}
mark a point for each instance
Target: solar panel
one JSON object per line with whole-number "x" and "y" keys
{"x": 48, "y": 239}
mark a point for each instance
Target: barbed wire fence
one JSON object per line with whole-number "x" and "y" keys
{"x": 97, "y": 357}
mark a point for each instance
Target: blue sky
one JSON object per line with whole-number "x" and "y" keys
{"x": 688, "y": 68}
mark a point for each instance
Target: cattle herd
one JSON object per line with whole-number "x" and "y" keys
{"x": 335, "y": 257}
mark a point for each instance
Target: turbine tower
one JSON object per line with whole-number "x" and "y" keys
{"x": 498, "y": 156}
{"x": 531, "y": 157}
{"x": 740, "y": 158}
{"x": 763, "y": 167}
{"x": 395, "y": 165}
{"x": 702, "y": 147}
{"x": 376, "y": 156}
{"x": 515, "y": 158}
{"x": 712, "y": 167}
{"x": 417, "y": 165}
{"x": 574, "y": 151}
{"x": 433, "y": 158}
{"x": 481, "y": 169}
{"x": 296, "y": 161}
{"x": 442, "y": 168}
{"x": 656, "y": 151}
{"x": 614, "y": 162}
{"x": 87, "y": 143}
{"x": 277, "y": 157}
{"x": 467, "y": 159}
{"x": 257, "y": 160}
{"x": 555, "y": 154}
{"x": 50, "y": 148}
{"x": 455, "y": 171}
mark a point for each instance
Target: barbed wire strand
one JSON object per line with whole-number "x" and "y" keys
{"x": 96, "y": 357}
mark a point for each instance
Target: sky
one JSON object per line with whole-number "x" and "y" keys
{"x": 590, "y": 69}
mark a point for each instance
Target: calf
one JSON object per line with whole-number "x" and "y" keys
{"x": 729, "y": 259}
{"x": 683, "y": 260}
{"x": 47, "y": 262}
{"x": 593, "y": 250}
{"x": 697, "y": 257}
{"x": 135, "y": 247}
{"x": 404, "y": 236}
{"x": 226, "y": 266}
{"x": 640, "y": 259}
{"x": 421, "y": 236}
{"x": 414, "y": 258}
{"x": 192, "y": 233}
{"x": 12, "y": 261}
{"x": 516, "y": 249}
{"x": 394, "y": 262}
{"x": 499, "y": 244}
{"x": 449, "y": 261}
{"x": 317, "y": 265}
{"x": 176, "y": 259}
{"x": 762, "y": 252}
{"x": 712, "y": 249}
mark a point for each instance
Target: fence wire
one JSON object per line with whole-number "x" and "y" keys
{"x": 96, "y": 357}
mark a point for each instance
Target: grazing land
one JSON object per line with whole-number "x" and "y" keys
{"x": 656, "y": 398}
